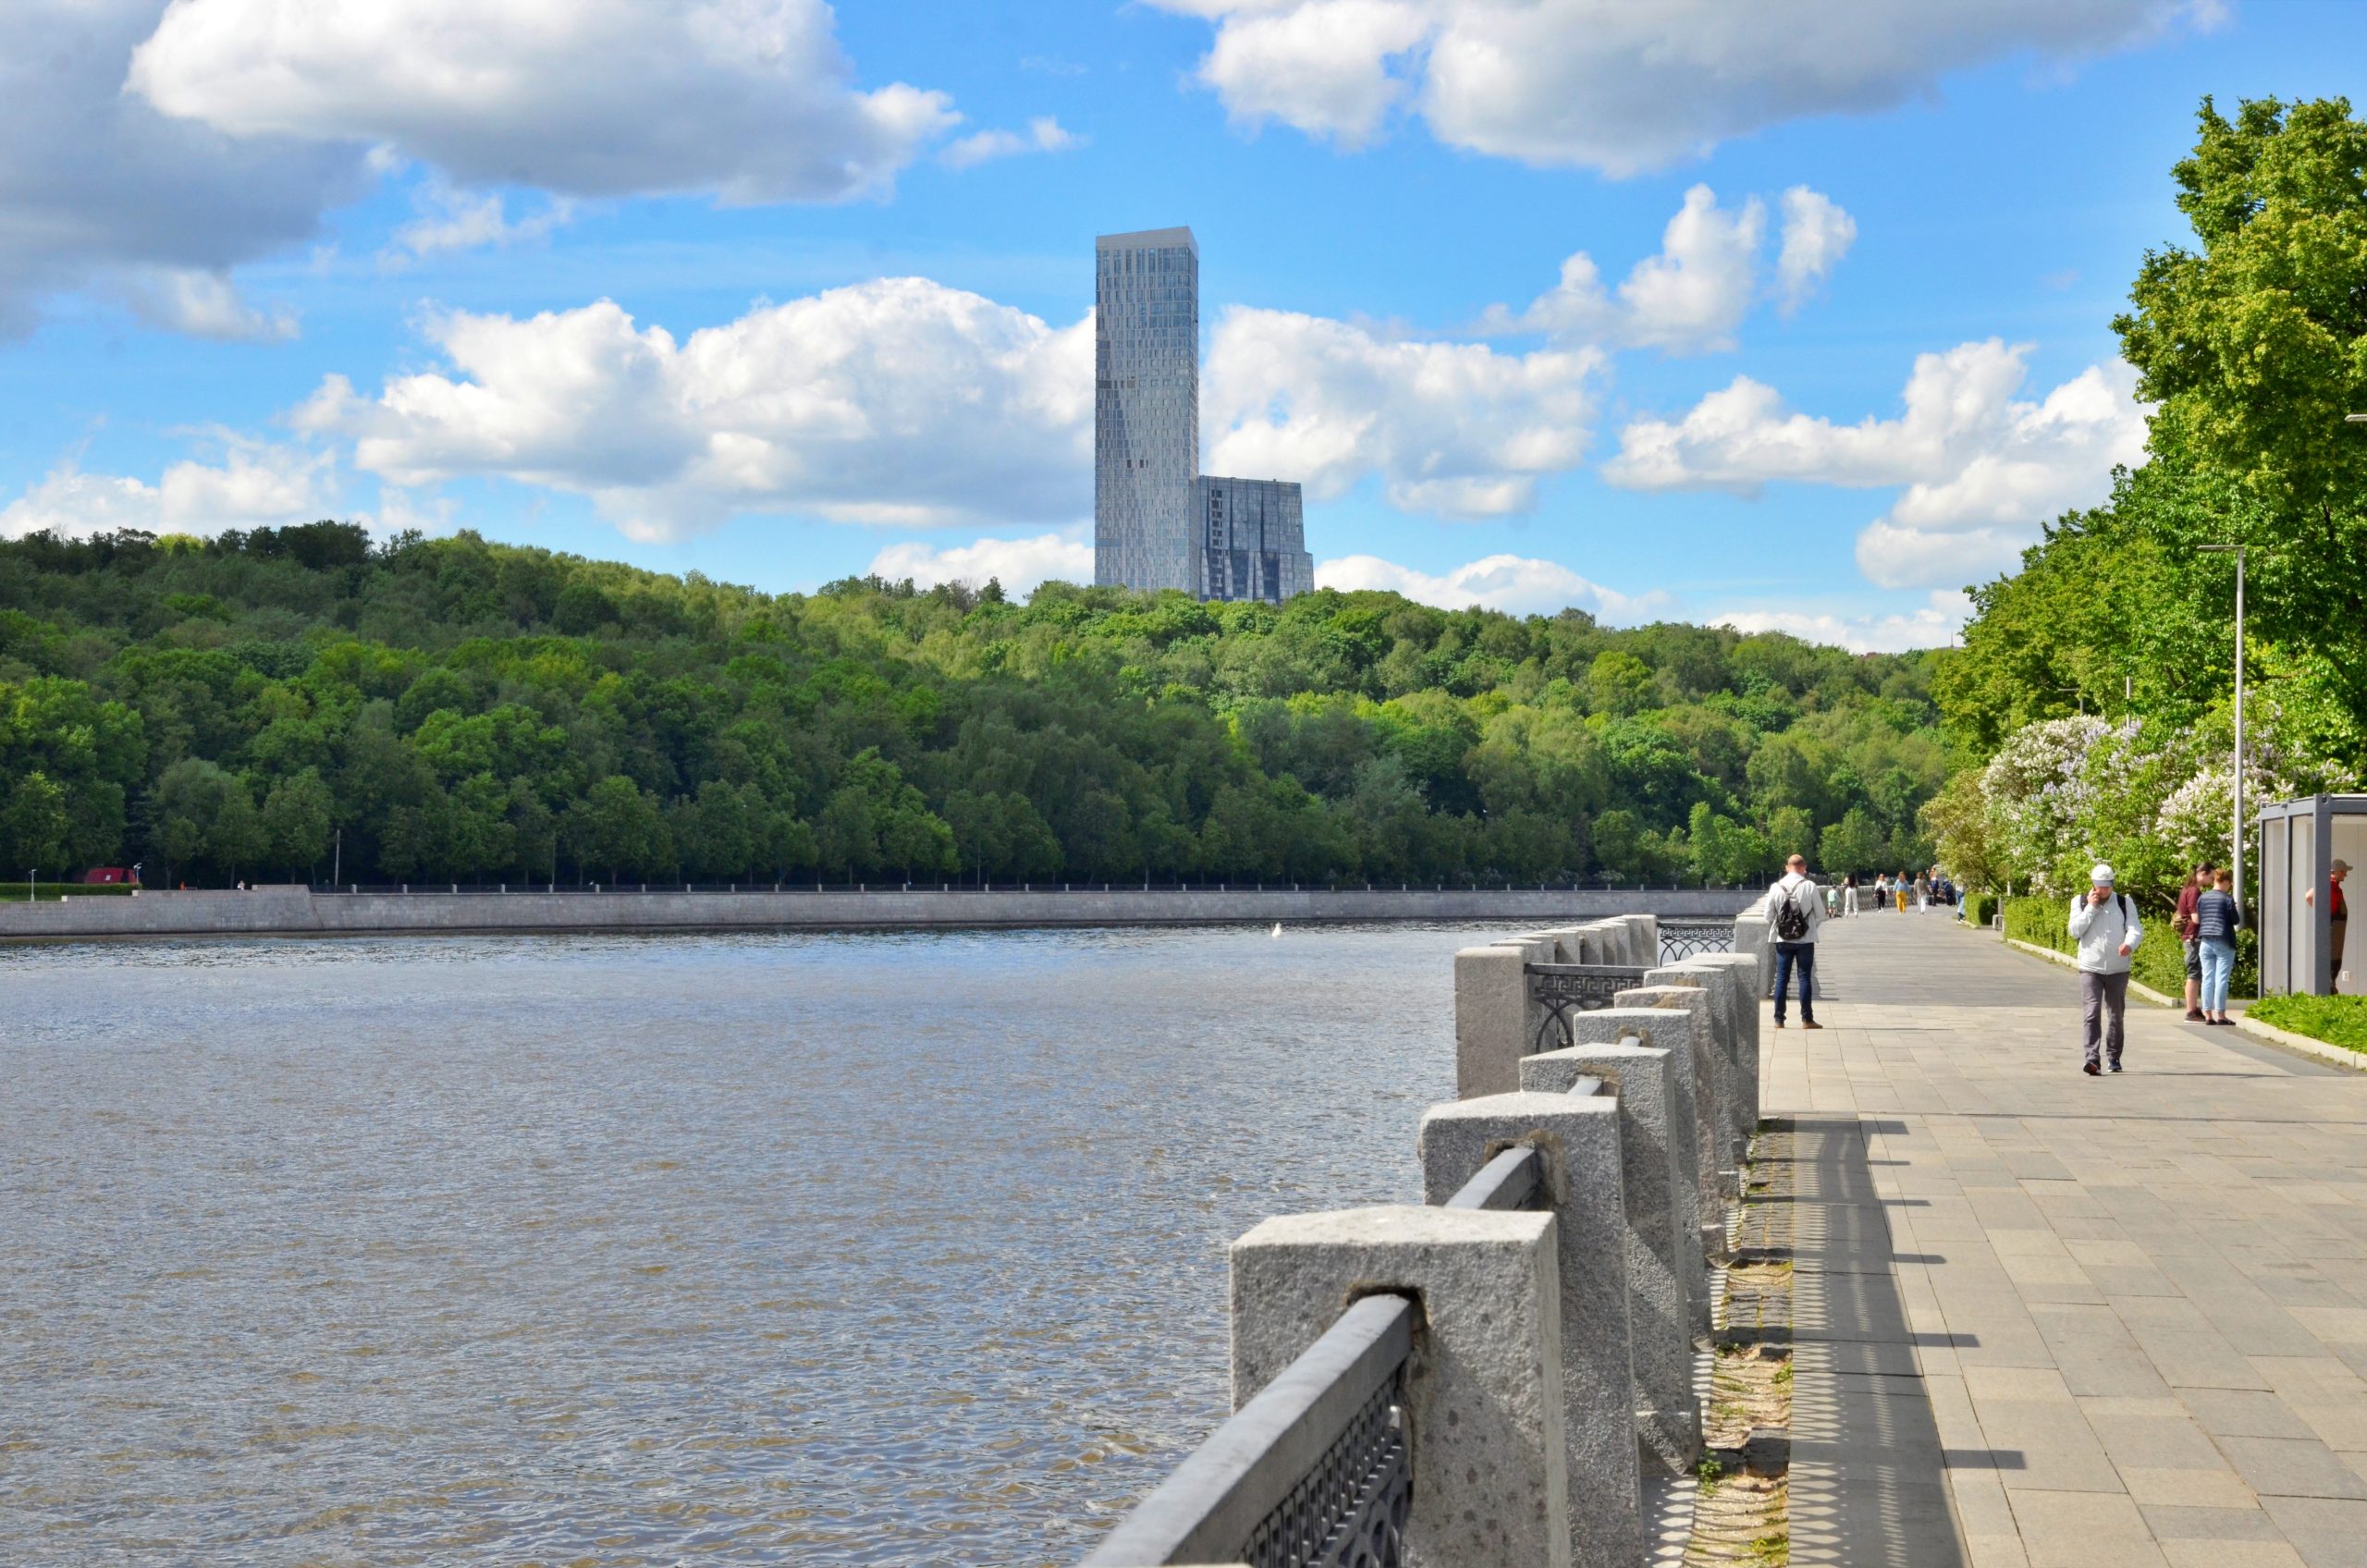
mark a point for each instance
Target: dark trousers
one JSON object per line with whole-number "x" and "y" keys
{"x": 1788, "y": 957}
{"x": 2337, "y": 930}
{"x": 2104, "y": 1012}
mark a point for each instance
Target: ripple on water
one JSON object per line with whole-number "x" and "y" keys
{"x": 901, "y": 1248}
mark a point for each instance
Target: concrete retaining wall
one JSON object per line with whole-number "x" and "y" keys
{"x": 301, "y": 912}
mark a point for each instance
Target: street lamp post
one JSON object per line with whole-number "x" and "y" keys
{"x": 2235, "y": 858}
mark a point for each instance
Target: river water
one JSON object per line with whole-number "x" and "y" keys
{"x": 778, "y": 1248}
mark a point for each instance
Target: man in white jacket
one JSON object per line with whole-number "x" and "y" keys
{"x": 1793, "y": 908}
{"x": 2105, "y": 924}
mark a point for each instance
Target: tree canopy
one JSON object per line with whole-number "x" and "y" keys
{"x": 2252, "y": 345}
{"x": 450, "y": 709}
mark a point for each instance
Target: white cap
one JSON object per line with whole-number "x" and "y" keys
{"x": 2101, "y": 875}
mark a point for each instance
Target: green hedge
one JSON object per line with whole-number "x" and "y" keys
{"x": 1979, "y": 907}
{"x": 15, "y": 891}
{"x": 2161, "y": 959}
{"x": 2338, "y": 1021}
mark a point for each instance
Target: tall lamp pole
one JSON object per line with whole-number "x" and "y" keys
{"x": 2235, "y": 867}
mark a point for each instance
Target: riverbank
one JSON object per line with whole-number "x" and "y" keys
{"x": 296, "y": 911}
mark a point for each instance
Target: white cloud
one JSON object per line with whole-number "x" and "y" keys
{"x": 752, "y": 100}
{"x": 464, "y": 220}
{"x": 1043, "y": 135}
{"x": 97, "y": 188}
{"x": 1322, "y": 66}
{"x": 1458, "y": 429}
{"x": 1691, "y": 295}
{"x": 1817, "y": 234}
{"x": 898, "y": 401}
{"x": 1515, "y": 585}
{"x": 256, "y": 485}
{"x": 203, "y": 304}
{"x": 1018, "y": 564}
{"x": 1932, "y": 625}
{"x": 1983, "y": 469}
{"x": 1623, "y": 87}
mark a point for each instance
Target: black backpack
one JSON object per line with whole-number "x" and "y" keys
{"x": 1791, "y": 920}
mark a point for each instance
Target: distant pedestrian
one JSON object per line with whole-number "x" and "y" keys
{"x": 1881, "y": 890}
{"x": 1922, "y": 891}
{"x": 2198, "y": 883}
{"x": 2337, "y": 923}
{"x": 1792, "y": 911}
{"x": 2105, "y": 924}
{"x": 1849, "y": 894}
{"x": 2216, "y": 918}
{"x": 1899, "y": 887}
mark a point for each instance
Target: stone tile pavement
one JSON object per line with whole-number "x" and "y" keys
{"x": 2048, "y": 1320}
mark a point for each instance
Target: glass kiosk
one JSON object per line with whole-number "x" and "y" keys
{"x": 2299, "y": 841}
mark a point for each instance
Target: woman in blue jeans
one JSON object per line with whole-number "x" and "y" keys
{"x": 2217, "y": 916}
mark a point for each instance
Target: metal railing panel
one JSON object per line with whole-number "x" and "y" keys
{"x": 1560, "y": 989}
{"x": 1313, "y": 1472}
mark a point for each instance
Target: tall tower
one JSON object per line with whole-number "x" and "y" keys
{"x": 1145, "y": 408}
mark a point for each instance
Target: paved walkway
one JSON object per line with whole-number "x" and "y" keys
{"x": 2067, "y": 1322}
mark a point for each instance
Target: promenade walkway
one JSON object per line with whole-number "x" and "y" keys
{"x": 2046, "y": 1319}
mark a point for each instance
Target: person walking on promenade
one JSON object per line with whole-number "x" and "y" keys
{"x": 2183, "y": 924}
{"x": 2105, "y": 924}
{"x": 1849, "y": 894}
{"x": 2215, "y": 920}
{"x": 1922, "y": 891}
{"x": 2337, "y": 923}
{"x": 1899, "y": 888}
{"x": 1793, "y": 910}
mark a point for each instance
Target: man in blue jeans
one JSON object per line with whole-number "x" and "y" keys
{"x": 1793, "y": 910}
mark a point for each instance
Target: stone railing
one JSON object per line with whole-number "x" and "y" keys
{"x": 1500, "y": 1376}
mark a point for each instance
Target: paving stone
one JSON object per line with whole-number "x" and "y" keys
{"x": 2293, "y": 1467}
{"x": 2139, "y": 1304}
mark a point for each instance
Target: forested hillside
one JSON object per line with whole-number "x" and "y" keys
{"x": 467, "y": 711}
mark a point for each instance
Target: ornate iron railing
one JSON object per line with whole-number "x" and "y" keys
{"x": 1314, "y": 1472}
{"x": 1561, "y": 989}
{"x": 1682, "y": 938}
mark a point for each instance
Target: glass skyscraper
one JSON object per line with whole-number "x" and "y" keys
{"x": 1145, "y": 406}
{"x": 1157, "y": 523}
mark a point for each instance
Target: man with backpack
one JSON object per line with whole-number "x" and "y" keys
{"x": 1793, "y": 910}
{"x": 2104, "y": 922}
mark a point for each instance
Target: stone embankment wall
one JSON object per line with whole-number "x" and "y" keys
{"x": 301, "y": 912}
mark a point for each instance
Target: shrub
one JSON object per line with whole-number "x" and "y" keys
{"x": 2338, "y": 1021}
{"x": 1978, "y": 908}
{"x": 2161, "y": 959}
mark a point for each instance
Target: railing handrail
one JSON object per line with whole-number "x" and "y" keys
{"x": 1208, "y": 1510}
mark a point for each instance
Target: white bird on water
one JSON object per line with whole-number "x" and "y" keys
{"x": 1278, "y": 928}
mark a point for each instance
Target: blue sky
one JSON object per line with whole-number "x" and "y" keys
{"x": 620, "y": 277}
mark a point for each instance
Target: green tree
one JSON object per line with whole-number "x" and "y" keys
{"x": 34, "y": 828}
{"x": 1854, "y": 846}
{"x": 617, "y": 829}
{"x": 296, "y": 821}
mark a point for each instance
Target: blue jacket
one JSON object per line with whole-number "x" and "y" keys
{"x": 2216, "y": 918}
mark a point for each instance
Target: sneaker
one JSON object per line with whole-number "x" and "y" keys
{"x": 2196, "y": 1015}
{"x": 2113, "y": 1068}
{"x": 1779, "y": 1024}
{"x": 1812, "y": 1024}
{"x": 2092, "y": 1070}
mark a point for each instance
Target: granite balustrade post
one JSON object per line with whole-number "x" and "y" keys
{"x": 1672, "y": 1030}
{"x": 1746, "y": 970}
{"x": 1491, "y": 1024}
{"x": 1641, "y": 1079}
{"x": 1728, "y": 1004}
{"x": 1484, "y": 1407}
{"x": 1578, "y": 1138}
{"x": 1687, "y": 1008}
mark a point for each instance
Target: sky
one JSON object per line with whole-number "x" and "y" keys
{"x": 1782, "y": 317}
